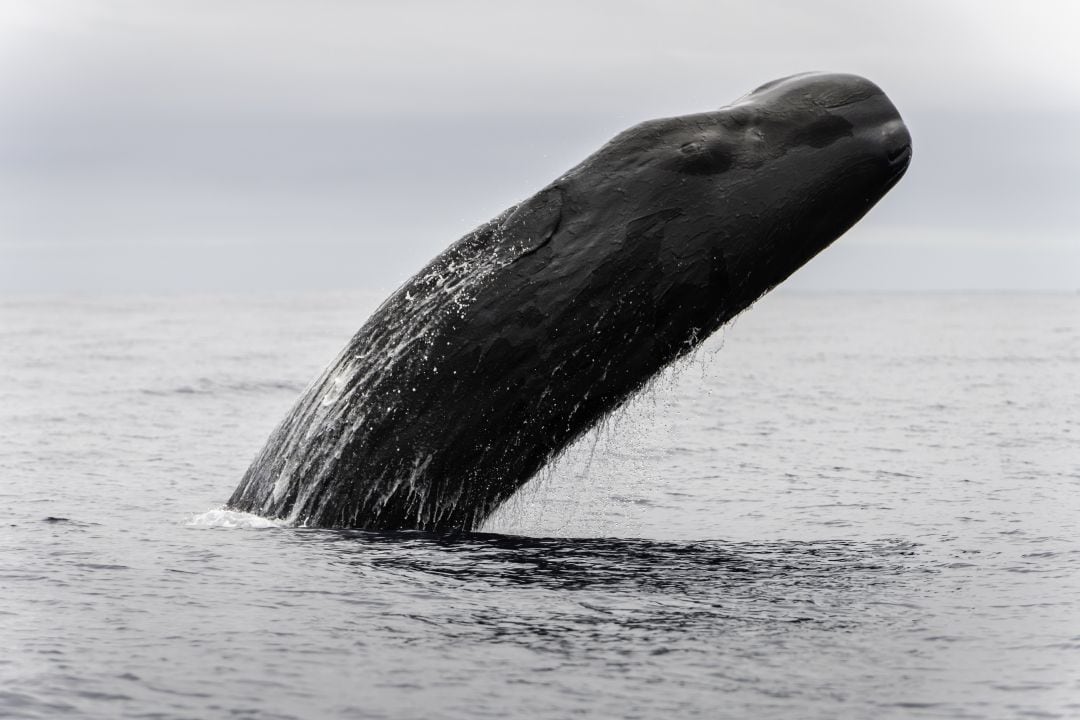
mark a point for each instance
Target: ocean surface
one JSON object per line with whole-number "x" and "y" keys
{"x": 843, "y": 506}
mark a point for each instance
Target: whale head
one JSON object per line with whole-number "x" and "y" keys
{"x": 758, "y": 187}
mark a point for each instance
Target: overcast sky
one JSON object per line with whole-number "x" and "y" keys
{"x": 255, "y": 145}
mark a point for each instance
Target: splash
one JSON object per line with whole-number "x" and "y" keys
{"x": 220, "y": 517}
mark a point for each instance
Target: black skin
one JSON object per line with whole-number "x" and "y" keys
{"x": 525, "y": 333}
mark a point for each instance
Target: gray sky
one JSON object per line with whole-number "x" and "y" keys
{"x": 258, "y": 145}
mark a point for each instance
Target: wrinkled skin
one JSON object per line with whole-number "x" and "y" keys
{"x": 525, "y": 333}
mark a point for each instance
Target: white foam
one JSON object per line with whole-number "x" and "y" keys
{"x": 220, "y": 517}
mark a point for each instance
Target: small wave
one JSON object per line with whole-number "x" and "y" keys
{"x": 220, "y": 517}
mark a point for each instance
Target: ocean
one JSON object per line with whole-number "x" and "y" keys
{"x": 841, "y": 506}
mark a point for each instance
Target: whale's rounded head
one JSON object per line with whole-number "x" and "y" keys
{"x": 829, "y": 146}
{"x": 835, "y": 106}
{"x": 766, "y": 182}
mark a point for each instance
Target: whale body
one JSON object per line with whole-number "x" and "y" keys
{"x": 523, "y": 334}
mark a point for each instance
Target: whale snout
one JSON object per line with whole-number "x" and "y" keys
{"x": 840, "y": 102}
{"x": 896, "y": 138}
{"x": 877, "y": 119}
{"x": 897, "y": 143}
{"x": 869, "y": 110}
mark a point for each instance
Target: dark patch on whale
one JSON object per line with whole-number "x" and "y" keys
{"x": 522, "y": 335}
